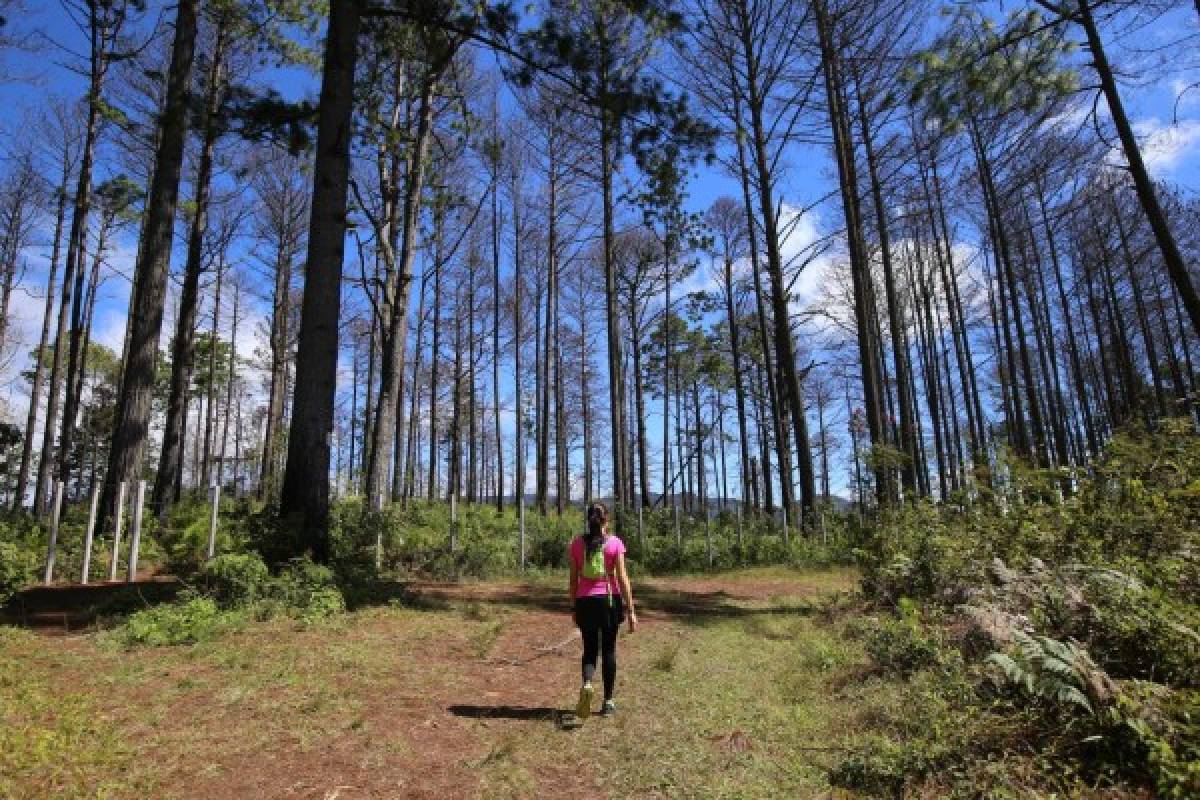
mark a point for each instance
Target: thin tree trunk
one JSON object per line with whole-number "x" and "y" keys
{"x": 1177, "y": 268}
{"x": 39, "y": 367}
{"x": 859, "y": 270}
{"x": 495, "y": 164}
{"x": 137, "y": 381}
{"x": 894, "y": 310}
{"x": 739, "y": 389}
{"x": 184, "y": 345}
{"x": 210, "y": 416}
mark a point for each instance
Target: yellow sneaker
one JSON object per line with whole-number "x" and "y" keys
{"x": 583, "y": 709}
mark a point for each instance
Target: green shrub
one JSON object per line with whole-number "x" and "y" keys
{"x": 321, "y": 603}
{"x": 194, "y": 620}
{"x": 18, "y": 567}
{"x": 883, "y": 769}
{"x": 235, "y": 579}
{"x": 901, "y": 646}
{"x": 308, "y": 589}
{"x": 1143, "y": 634}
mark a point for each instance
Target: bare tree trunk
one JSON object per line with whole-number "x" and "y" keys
{"x": 616, "y": 387}
{"x": 394, "y": 338}
{"x": 410, "y": 456}
{"x": 75, "y": 241}
{"x": 472, "y": 406}
{"x": 305, "y": 493}
{"x": 859, "y": 270}
{"x": 495, "y": 164}
{"x": 279, "y": 334}
{"x": 232, "y": 379}
{"x": 184, "y": 345}
{"x": 894, "y": 311}
{"x": 39, "y": 367}
{"x": 1177, "y": 268}
{"x": 211, "y": 407}
{"x": 137, "y": 382}
{"x": 435, "y": 350}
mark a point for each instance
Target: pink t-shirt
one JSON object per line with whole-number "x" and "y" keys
{"x": 588, "y": 587}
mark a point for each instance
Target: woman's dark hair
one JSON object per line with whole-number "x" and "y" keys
{"x": 597, "y": 518}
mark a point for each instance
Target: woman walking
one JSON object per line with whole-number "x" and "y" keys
{"x": 601, "y": 596}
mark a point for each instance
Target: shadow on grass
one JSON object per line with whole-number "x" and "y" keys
{"x": 505, "y": 712}
{"x": 689, "y": 607}
{"x": 563, "y": 720}
{"x": 66, "y": 609}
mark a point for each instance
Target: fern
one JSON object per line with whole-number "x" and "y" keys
{"x": 1048, "y": 670}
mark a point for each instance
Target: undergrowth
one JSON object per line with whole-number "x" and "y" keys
{"x": 1042, "y": 645}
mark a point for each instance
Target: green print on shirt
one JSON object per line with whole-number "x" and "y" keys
{"x": 593, "y": 565}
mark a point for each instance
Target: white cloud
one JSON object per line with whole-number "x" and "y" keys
{"x": 1165, "y": 146}
{"x": 800, "y": 236}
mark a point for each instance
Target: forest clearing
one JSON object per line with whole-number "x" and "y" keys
{"x": 418, "y": 700}
{"x": 630, "y": 398}
{"x": 1046, "y": 650}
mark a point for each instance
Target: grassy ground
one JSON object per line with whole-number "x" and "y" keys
{"x": 735, "y": 687}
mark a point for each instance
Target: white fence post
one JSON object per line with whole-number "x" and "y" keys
{"x": 117, "y": 523}
{"x": 52, "y": 545}
{"x": 212, "y": 520}
{"x": 135, "y": 534}
{"x": 87, "y": 536}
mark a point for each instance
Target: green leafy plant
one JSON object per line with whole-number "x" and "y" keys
{"x": 235, "y": 578}
{"x": 188, "y": 622}
{"x": 902, "y": 646}
{"x": 1047, "y": 670}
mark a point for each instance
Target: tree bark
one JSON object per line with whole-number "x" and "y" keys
{"x": 859, "y": 269}
{"x": 305, "y": 495}
{"x": 394, "y": 339}
{"x": 137, "y": 381}
{"x": 184, "y": 345}
{"x": 39, "y": 368}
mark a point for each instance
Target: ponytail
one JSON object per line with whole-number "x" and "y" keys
{"x": 597, "y": 519}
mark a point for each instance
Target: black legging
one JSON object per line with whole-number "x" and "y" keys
{"x": 599, "y": 623}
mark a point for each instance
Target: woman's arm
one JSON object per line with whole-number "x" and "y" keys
{"x": 626, "y": 591}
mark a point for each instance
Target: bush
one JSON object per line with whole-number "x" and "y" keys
{"x": 18, "y": 567}
{"x": 1143, "y": 634}
{"x": 184, "y": 535}
{"x": 882, "y": 770}
{"x": 188, "y": 622}
{"x": 309, "y": 590}
{"x": 235, "y": 579}
{"x": 901, "y": 646}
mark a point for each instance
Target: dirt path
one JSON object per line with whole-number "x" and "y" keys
{"x": 464, "y": 694}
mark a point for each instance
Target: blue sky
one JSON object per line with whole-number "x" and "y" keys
{"x": 1165, "y": 107}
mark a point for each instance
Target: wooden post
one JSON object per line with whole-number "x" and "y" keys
{"x": 87, "y": 536}
{"x": 708, "y": 542}
{"x": 641, "y": 536}
{"x": 120, "y": 519}
{"x": 738, "y": 512}
{"x": 135, "y": 535}
{"x": 52, "y": 545}
{"x": 212, "y": 520}
{"x": 678, "y": 531}
{"x": 521, "y": 527}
